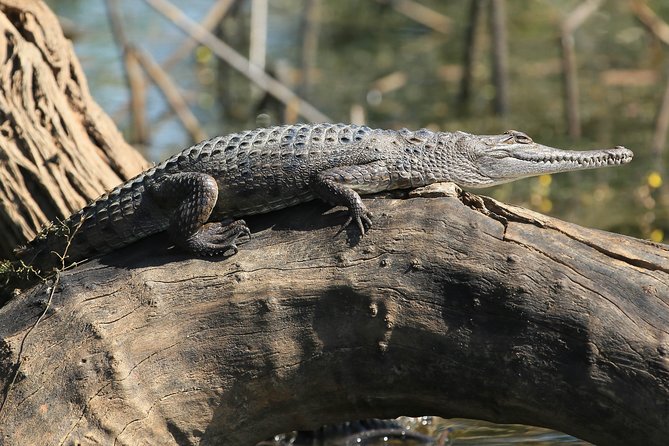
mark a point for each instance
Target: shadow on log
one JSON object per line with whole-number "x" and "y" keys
{"x": 457, "y": 306}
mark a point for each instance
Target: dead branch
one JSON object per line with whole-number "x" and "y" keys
{"x": 171, "y": 94}
{"x": 419, "y": 13}
{"x": 237, "y": 61}
{"x": 213, "y": 17}
{"x": 469, "y": 54}
{"x": 660, "y": 29}
{"x": 258, "y": 34}
{"x": 310, "y": 26}
{"x": 661, "y": 127}
{"x": 139, "y": 129}
{"x": 653, "y": 23}
{"x": 500, "y": 56}
{"x": 569, "y": 25}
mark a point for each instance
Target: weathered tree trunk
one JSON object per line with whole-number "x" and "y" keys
{"x": 58, "y": 149}
{"x": 458, "y": 307}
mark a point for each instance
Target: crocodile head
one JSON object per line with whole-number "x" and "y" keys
{"x": 496, "y": 159}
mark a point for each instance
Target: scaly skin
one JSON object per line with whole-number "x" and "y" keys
{"x": 197, "y": 194}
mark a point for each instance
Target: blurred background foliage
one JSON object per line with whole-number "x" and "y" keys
{"x": 400, "y": 63}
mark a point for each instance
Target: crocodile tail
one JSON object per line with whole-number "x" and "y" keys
{"x": 50, "y": 248}
{"x": 114, "y": 220}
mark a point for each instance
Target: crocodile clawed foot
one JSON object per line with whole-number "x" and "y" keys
{"x": 362, "y": 218}
{"x": 238, "y": 227}
{"x": 218, "y": 238}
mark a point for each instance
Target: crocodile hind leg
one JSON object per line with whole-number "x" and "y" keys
{"x": 190, "y": 198}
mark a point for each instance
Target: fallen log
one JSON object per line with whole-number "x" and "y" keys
{"x": 457, "y": 306}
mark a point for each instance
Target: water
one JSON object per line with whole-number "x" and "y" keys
{"x": 476, "y": 432}
{"x": 443, "y": 432}
{"x": 101, "y": 61}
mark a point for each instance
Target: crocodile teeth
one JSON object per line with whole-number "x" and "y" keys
{"x": 593, "y": 161}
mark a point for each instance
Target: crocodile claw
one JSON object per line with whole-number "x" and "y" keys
{"x": 362, "y": 219}
{"x": 218, "y": 238}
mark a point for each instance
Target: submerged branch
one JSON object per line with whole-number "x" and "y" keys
{"x": 237, "y": 61}
{"x": 215, "y": 15}
{"x": 172, "y": 94}
{"x": 569, "y": 25}
{"x": 419, "y": 13}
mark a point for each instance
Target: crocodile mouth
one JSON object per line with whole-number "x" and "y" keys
{"x": 596, "y": 158}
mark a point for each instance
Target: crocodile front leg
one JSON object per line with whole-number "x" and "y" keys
{"x": 190, "y": 198}
{"x": 342, "y": 186}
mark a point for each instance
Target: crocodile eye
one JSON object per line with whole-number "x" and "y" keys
{"x": 514, "y": 136}
{"x": 522, "y": 138}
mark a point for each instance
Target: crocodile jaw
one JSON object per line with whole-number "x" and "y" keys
{"x": 517, "y": 161}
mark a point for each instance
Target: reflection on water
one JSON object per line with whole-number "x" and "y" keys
{"x": 476, "y": 432}
{"x": 425, "y": 431}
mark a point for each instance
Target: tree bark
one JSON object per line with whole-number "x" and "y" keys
{"x": 58, "y": 149}
{"x": 456, "y": 306}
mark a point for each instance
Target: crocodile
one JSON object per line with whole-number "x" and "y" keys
{"x": 200, "y": 195}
